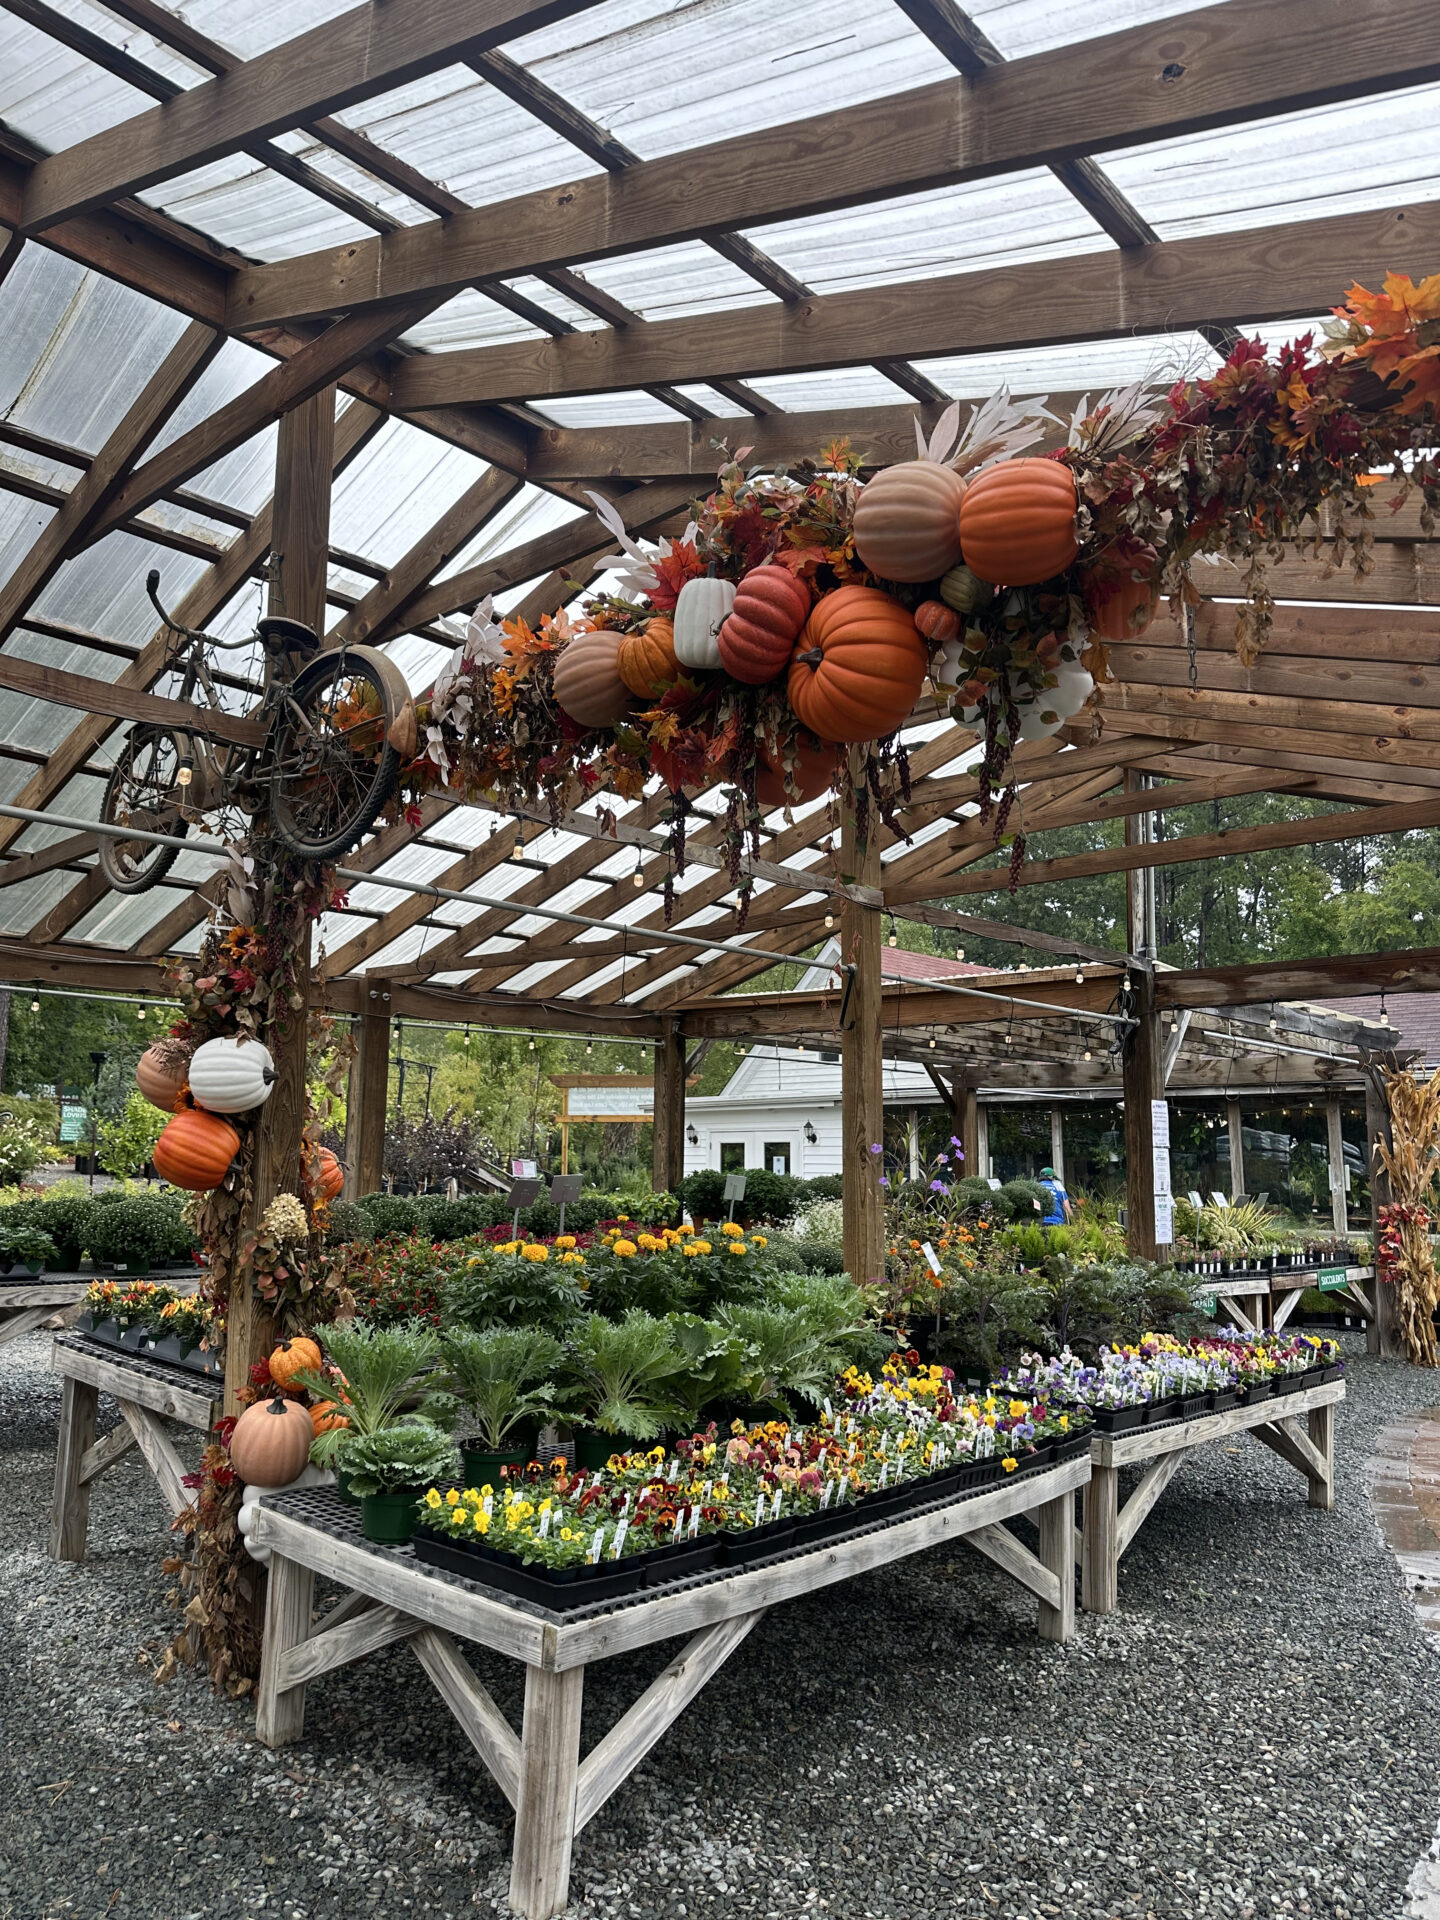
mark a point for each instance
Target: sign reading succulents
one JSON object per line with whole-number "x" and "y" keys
{"x": 782, "y": 641}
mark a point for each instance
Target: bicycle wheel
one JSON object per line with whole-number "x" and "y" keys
{"x": 333, "y": 766}
{"x": 142, "y": 792}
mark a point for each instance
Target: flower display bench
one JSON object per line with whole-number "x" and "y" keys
{"x": 28, "y": 1302}
{"x": 1300, "y": 1427}
{"x": 555, "y": 1793}
{"x": 148, "y": 1392}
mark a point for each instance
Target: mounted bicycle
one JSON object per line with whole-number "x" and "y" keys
{"x": 337, "y": 727}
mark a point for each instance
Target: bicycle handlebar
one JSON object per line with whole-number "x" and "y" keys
{"x": 152, "y": 589}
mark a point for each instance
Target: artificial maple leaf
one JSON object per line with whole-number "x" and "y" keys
{"x": 671, "y": 571}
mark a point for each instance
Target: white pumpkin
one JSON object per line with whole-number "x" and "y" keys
{"x": 231, "y": 1075}
{"x": 1073, "y": 687}
{"x": 700, "y": 612}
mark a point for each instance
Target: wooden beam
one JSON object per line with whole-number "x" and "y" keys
{"x": 1339, "y": 976}
{"x": 69, "y": 909}
{"x": 1277, "y": 273}
{"x": 120, "y": 702}
{"x": 861, "y": 1065}
{"x": 369, "y": 1095}
{"x": 1362, "y": 683}
{"x": 62, "y": 853}
{"x": 1401, "y": 737}
{"x": 668, "y": 1148}
{"x": 369, "y": 50}
{"x": 1215, "y": 66}
{"x": 71, "y": 524}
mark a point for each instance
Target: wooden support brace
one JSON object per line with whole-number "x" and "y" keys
{"x": 1137, "y": 1508}
{"x": 23, "y": 1322}
{"x": 105, "y": 1453}
{"x": 1286, "y": 1307}
{"x": 481, "y": 1721}
{"x": 336, "y": 1645}
{"x": 545, "y": 1804}
{"x": 70, "y": 1501}
{"x": 997, "y": 1543}
{"x": 347, "y": 1607}
{"x": 613, "y": 1759}
{"x": 1314, "y": 1458}
{"x": 289, "y": 1595}
{"x": 160, "y": 1456}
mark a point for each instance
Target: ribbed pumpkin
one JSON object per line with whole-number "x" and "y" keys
{"x": 858, "y": 668}
{"x": 292, "y": 1357}
{"x": 907, "y": 521}
{"x": 1017, "y": 524}
{"x": 161, "y": 1085}
{"x": 758, "y": 637}
{"x": 647, "y": 660}
{"x": 195, "y": 1150}
{"x": 588, "y": 685}
{"x": 270, "y": 1443}
{"x": 231, "y": 1075}
{"x": 816, "y": 770}
{"x": 938, "y": 623}
{"x": 960, "y": 589}
{"x": 702, "y": 609}
{"x": 332, "y": 1174}
{"x": 1120, "y": 606}
{"x": 325, "y": 1416}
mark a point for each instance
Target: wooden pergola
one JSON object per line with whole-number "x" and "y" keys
{"x": 471, "y": 342}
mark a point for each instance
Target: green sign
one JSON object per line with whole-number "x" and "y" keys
{"x": 1206, "y": 1302}
{"x": 1331, "y": 1280}
{"x": 74, "y": 1125}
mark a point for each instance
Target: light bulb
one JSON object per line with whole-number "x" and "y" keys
{"x": 35, "y": 1004}
{"x": 894, "y": 940}
{"x": 637, "y": 879}
{"x": 1087, "y": 1053}
{"x": 1274, "y": 1023}
{"x": 467, "y": 1037}
{"x": 1009, "y": 1040}
{"x": 185, "y": 774}
{"x": 140, "y": 1013}
{"x": 589, "y": 1046}
{"x": 932, "y": 1043}
{"x": 959, "y": 953}
{"x": 532, "y": 1046}
{"x": 829, "y": 920}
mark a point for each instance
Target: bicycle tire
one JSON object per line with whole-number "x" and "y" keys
{"x": 296, "y": 773}
{"x": 122, "y": 875}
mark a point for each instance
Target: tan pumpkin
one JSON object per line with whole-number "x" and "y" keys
{"x": 195, "y": 1150}
{"x": 588, "y": 685}
{"x": 646, "y": 660}
{"x": 270, "y": 1443}
{"x": 1017, "y": 524}
{"x": 858, "y": 668}
{"x": 292, "y": 1357}
{"x": 960, "y": 589}
{"x": 759, "y": 635}
{"x": 816, "y": 769}
{"x": 161, "y": 1085}
{"x": 907, "y": 521}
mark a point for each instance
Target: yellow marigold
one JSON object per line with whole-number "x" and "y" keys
{"x": 511, "y": 1246}
{"x": 702, "y": 1246}
{"x": 572, "y": 1259}
{"x": 623, "y": 1249}
{"x": 730, "y": 1230}
{"x": 758, "y": 1240}
{"x": 683, "y": 1232}
{"x": 649, "y": 1242}
{"x": 736, "y": 1246}
{"x": 534, "y": 1252}
{"x": 691, "y": 1250}
{"x": 565, "y": 1240}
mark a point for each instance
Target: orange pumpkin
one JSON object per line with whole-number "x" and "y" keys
{"x": 758, "y": 637}
{"x": 161, "y": 1085}
{"x": 646, "y": 660}
{"x": 937, "y": 621}
{"x": 858, "y": 668}
{"x": 587, "y": 680}
{"x": 816, "y": 770}
{"x": 907, "y": 521}
{"x": 292, "y": 1357}
{"x": 1017, "y": 524}
{"x": 195, "y": 1150}
{"x": 270, "y": 1443}
{"x": 325, "y": 1416}
{"x": 1120, "y": 606}
{"x": 332, "y": 1175}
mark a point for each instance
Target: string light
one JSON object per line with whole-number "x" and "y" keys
{"x": 637, "y": 879}
{"x": 829, "y": 920}
{"x": 466, "y": 1040}
{"x": 932, "y": 1043}
{"x": 1087, "y": 1053}
{"x": 894, "y": 940}
{"x": 959, "y": 953}
{"x": 35, "y": 1004}
{"x": 1079, "y": 976}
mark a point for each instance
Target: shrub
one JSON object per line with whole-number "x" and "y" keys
{"x": 139, "y": 1232}
{"x": 771, "y": 1196}
{"x": 1026, "y": 1199}
{"x": 66, "y": 1218}
{"x": 388, "y": 1213}
{"x": 825, "y": 1186}
{"x": 346, "y": 1222}
{"x": 703, "y": 1193}
{"x": 124, "y": 1145}
{"x": 24, "y": 1244}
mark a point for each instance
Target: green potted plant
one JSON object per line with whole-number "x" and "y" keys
{"x": 620, "y": 1372}
{"x": 500, "y": 1379}
{"x": 391, "y": 1469}
{"x": 384, "y": 1383}
{"x": 25, "y": 1248}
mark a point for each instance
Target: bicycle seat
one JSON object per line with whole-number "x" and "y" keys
{"x": 278, "y": 635}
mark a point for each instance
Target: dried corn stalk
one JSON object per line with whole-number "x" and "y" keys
{"x": 1412, "y": 1160}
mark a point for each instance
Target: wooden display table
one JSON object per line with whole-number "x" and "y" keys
{"x": 147, "y": 1392}
{"x": 1260, "y": 1301}
{"x": 28, "y": 1303}
{"x": 393, "y": 1596}
{"x": 1110, "y": 1528}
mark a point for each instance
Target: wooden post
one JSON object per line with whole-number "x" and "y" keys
{"x": 1141, "y": 1068}
{"x": 1100, "y": 1546}
{"x": 668, "y": 1153}
{"x": 967, "y": 1114}
{"x": 1237, "y": 1148}
{"x": 290, "y": 1592}
{"x": 1384, "y": 1336}
{"x": 1335, "y": 1136}
{"x": 1056, "y": 1523}
{"x": 982, "y": 1141}
{"x": 1057, "y": 1142}
{"x": 70, "y": 1502}
{"x": 1321, "y": 1424}
{"x": 368, "y": 1095}
{"x": 861, "y": 1062}
{"x": 545, "y": 1811}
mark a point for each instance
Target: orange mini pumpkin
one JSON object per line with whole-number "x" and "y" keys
{"x": 816, "y": 769}
{"x": 1017, "y": 523}
{"x": 292, "y": 1357}
{"x": 1120, "y": 607}
{"x": 587, "y": 680}
{"x": 195, "y": 1150}
{"x": 937, "y": 621}
{"x": 332, "y": 1174}
{"x": 646, "y": 660}
{"x": 907, "y": 521}
{"x": 161, "y": 1085}
{"x": 858, "y": 668}
{"x": 326, "y": 1416}
{"x": 270, "y": 1443}
{"x": 759, "y": 635}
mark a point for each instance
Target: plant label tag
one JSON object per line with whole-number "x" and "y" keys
{"x": 674, "y": 1473}
{"x": 759, "y": 1509}
{"x": 931, "y": 1258}
{"x": 775, "y": 1505}
{"x": 694, "y": 1528}
{"x": 619, "y": 1542}
{"x": 597, "y": 1542}
{"x": 825, "y": 1493}
{"x": 487, "y": 1505}
{"x": 884, "y": 1474}
{"x": 544, "y": 1533}
{"x": 625, "y": 1508}
{"x": 595, "y": 1482}
{"x": 829, "y": 1414}
{"x": 679, "y": 1525}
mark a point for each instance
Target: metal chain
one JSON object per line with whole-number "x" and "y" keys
{"x": 1190, "y": 647}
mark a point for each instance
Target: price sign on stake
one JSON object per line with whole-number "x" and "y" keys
{"x": 931, "y": 1258}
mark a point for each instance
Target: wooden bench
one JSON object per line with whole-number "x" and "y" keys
{"x": 147, "y": 1392}
{"x": 392, "y": 1596}
{"x": 1110, "y": 1528}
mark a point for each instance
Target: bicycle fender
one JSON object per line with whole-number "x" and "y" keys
{"x": 403, "y": 733}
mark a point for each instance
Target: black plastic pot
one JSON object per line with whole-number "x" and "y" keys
{"x": 1222, "y": 1399}
{"x": 1291, "y": 1383}
{"x": 1161, "y": 1410}
{"x": 1074, "y": 1446}
{"x": 1335, "y": 1372}
{"x": 1193, "y": 1405}
{"x": 1041, "y": 1454}
{"x": 1119, "y": 1419}
{"x": 1253, "y": 1395}
{"x": 810, "y": 1527}
{"x": 663, "y": 1564}
{"x": 559, "y": 1588}
{"x": 757, "y": 1543}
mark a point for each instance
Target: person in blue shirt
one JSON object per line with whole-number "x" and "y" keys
{"x": 1057, "y": 1213}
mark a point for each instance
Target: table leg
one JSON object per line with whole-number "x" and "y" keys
{"x": 1100, "y": 1555}
{"x": 1056, "y": 1521}
{"x": 280, "y": 1712}
{"x": 1322, "y": 1438}
{"x": 70, "y": 1501}
{"x": 545, "y": 1813}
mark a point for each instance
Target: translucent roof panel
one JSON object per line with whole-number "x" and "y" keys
{"x": 667, "y": 282}
{"x": 395, "y": 490}
{"x": 469, "y": 320}
{"x": 55, "y": 97}
{"x": 525, "y": 517}
{"x": 1030, "y": 26}
{"x": 607, "y": 410}
{"x": 259, "y": 24}
{"x": 246, "y": 205}
{"x": 832, "y": 388}
{"x": 1160, "y": 359}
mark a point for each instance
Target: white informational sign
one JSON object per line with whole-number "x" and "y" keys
{"x": 993, "y": 1183}
{"x": 931, "y": 1258}
{"x": 1161, "y": 1159}
{"x": 1164, "y": 1220}
{"x": 1160, "y": 1123}
{"x": 524, "y": 1169}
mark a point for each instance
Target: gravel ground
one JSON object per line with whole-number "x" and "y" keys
{"x": 1253, "y": 1733}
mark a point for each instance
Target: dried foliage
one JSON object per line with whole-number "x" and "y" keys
{"x": 1411, "y": 1159}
